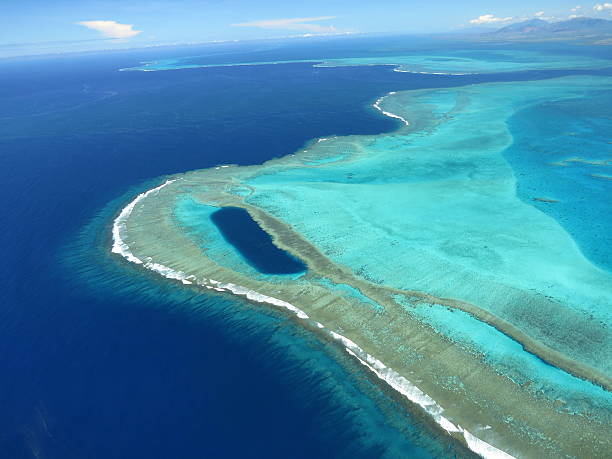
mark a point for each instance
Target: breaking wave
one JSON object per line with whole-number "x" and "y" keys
{"x": 400, "y": 384}
{"x": 378, "y": 107}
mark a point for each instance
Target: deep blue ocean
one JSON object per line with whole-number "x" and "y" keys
{"x": 100, "y": 360}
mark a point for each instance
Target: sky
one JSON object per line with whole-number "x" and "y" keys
{"x": 56, "y": 26}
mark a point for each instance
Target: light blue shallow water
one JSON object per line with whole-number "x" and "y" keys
{"x": 510, "y": 359}
{"x": 562, "y": 151}
{"x": 437, "y": 211}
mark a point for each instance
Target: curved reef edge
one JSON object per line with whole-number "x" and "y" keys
{"x": 386, "y": 374}
{"x": 483, "y": 408}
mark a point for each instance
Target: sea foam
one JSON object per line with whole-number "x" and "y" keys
{"x": 386, "y": 374}
{"x": 389, "y": 114}
{"x": 119, "y": 246}
{"x": 400, "y": 70}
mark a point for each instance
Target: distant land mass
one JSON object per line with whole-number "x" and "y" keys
{"x": 589, "y": 30}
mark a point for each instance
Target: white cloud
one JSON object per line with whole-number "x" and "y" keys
{"x": 490, "y": 19}
{"x": 540, "y": 15}
{"x": 576, "y": 8}
{"x": 111, "y": 29}
{"x": 602, "y": 7}
{"x": 302, "y": 24}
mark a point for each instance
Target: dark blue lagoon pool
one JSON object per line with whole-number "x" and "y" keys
{"x": 253, "y": 243}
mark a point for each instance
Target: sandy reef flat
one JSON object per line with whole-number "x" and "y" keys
{"x": 420, "y": 254}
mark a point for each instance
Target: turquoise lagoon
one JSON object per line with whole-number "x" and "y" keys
{"x": 445, "y": 199}
{"x": 562, "y": 158}
{"x": 494, "y": 200}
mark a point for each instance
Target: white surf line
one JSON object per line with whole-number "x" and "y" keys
{"x": 119, "y": 246}
{"x": 386, "y": 374}
{"x": 389, "y": 114}
{"x": 417, "y": 396}
{"x": 433, "y": 73}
